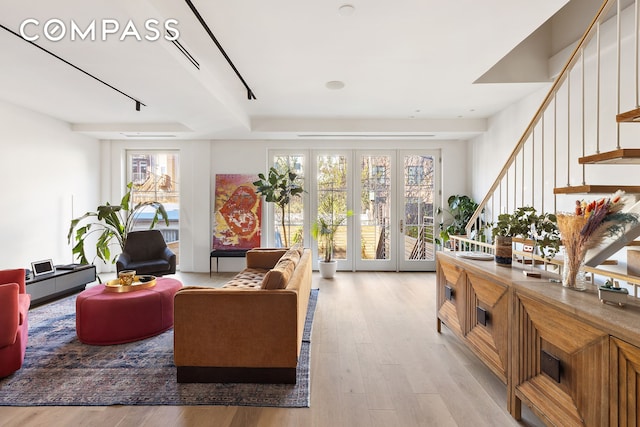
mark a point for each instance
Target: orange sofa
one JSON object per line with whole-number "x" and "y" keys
{"x": 14, "y": 327}
{"x": 251, "y": 329}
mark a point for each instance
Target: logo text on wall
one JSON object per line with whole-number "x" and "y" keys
{"x": 56, "y": 29}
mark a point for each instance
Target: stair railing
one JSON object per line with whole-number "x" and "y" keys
{"x": 517, "y": 183}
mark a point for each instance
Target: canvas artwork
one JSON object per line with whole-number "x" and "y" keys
{"x": 238, "y": 212}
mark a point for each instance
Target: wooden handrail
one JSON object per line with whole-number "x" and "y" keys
{"x": 586, "y": 37}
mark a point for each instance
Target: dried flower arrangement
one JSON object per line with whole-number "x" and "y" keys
{"x": 588, "y": 226}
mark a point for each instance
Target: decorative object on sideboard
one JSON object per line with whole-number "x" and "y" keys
{"x": 525, "y": 223}
{"x": 590, "y": 224}
{"x": 612, "y": 292}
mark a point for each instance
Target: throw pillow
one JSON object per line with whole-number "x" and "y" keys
{"x": 278, "y": 277}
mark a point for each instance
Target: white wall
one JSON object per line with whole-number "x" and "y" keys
{"x": 50, "y": 175}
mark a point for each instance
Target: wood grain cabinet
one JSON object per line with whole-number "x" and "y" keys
{"x": 573, "y": 360}
{"x": 625, "y": 382}
{"x": 450, "y": 296}
{"x": 476, "y": 309}
{"x": 487, "y": 322}
{"x": 562, "y": 365}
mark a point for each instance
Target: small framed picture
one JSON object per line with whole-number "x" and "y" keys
{"x": 42, "y": 267}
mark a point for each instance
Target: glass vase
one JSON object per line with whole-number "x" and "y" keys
{"x": 573, "y": 275}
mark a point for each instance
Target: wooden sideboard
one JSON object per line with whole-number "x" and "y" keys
{"x": 572, "y": 359}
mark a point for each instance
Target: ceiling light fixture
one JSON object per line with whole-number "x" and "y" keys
{"x": 138, "y": 103}
{"x": 346, "y": 10}
{"x": 250, "y": 94}
{"x": 334, "y": 85}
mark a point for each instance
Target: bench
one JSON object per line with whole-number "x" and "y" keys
{"x": 226, "y": 253}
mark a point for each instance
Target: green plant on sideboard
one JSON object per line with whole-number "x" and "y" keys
{"x": 113, "y": 223}
{"x": 526, "y": 223}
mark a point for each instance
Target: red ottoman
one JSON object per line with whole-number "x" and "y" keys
{"x": 104, "y": 318}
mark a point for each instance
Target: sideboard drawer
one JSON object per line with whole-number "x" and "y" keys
{"x": 562, "y": 370}
{"x": 450, "y": 294}
{"x": 487, "y": 318}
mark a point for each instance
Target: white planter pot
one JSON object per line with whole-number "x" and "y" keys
{"x": 328, "y": 269}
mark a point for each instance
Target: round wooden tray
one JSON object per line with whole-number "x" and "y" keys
{"x": 115, "y": 286}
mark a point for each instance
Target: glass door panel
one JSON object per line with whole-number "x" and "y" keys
{"x": 416, "y": 212}
{"x": 293, "y": 222}
{"x": 374, "y": 225}
{"x": 332, "y": 195}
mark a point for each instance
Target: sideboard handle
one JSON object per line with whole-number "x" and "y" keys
{"x": 449, "y": 292}
{"x": 550, "y": 365}
{"x": 482, "y": 315}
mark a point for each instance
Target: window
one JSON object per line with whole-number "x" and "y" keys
{"x": 154, "y": 176}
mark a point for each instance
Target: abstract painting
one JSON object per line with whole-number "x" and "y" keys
{"x": 238, "y": 213}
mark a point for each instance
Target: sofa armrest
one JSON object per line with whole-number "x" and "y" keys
{"x": 14, "y": 276}
{"x": 235, "y": 328}
{"x": 123, "y": 261}
{"x": 9, "y": 313}
{"x": 168, "y": 255}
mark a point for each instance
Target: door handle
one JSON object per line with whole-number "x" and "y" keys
{"x": 401, "y": 226}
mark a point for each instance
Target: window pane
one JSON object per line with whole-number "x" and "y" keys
{"x": 154, "y": 175}
{"x": 332, "y": 199}
{"x": 294, "y": 214}
{"x": 375, "y": 207}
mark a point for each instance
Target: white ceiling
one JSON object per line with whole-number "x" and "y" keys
{"x": 408, "y": 66}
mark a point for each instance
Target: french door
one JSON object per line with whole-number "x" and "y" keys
{"x": 394, "y": 209}
{"x": 392, "y": 195}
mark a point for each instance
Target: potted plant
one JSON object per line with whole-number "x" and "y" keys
{"x": 279, "y": 188}
{"x": 526, "y": 223}
{"x": 113, "y": 222}
{"x": 323, "y": 230}
{"x": 461, "y": 209}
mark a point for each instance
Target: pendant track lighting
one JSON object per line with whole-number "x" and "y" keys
{"x": 138, "y": 103}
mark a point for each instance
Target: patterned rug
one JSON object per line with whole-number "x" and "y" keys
{"x": 61, "y": 371}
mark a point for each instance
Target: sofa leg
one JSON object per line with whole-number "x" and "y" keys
{"x": 209, "y": 374}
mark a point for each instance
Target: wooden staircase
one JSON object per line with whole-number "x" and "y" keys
{"x": 573, "y": 119}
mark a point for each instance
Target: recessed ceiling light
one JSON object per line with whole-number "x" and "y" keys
{"x": 346, "y": 10}
{"x": 335, "y": 84}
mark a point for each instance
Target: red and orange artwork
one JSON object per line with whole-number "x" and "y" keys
{"x": 238, "y": 212}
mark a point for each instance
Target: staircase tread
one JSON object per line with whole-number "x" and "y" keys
{"x": 596, "y": 189}
{"x": 629, "y": 116}
{"x": 619, "y": 156}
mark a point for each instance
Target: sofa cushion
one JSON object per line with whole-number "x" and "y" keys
{"x": 278, "y": 276}
{"x": 249, "y": 278}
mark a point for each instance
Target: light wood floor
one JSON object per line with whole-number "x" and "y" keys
{"x": 376, "y": 360}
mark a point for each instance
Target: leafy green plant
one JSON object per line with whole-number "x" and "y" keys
{"x": 324, "y": 230}
{"x": 526, "y": 223}
{"x": 461, "y": 209}
{"x": 113, "y": 223}
{"x": 279, "y": 188}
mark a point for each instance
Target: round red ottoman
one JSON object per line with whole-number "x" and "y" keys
{"x": 104, "y": 318}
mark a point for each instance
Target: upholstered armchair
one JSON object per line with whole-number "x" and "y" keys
{"x": 14, "y": 310}
{"x": 146, "y": 252}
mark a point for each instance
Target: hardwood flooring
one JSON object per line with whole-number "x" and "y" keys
{"x": 376, "y": 360}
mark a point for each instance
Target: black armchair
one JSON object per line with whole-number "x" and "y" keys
{"x": 146, "y": 252}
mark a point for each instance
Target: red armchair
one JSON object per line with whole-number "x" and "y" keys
{"x": 14, "y": 308}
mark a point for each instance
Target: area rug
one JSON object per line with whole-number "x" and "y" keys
{"x": 59, "y": 370}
